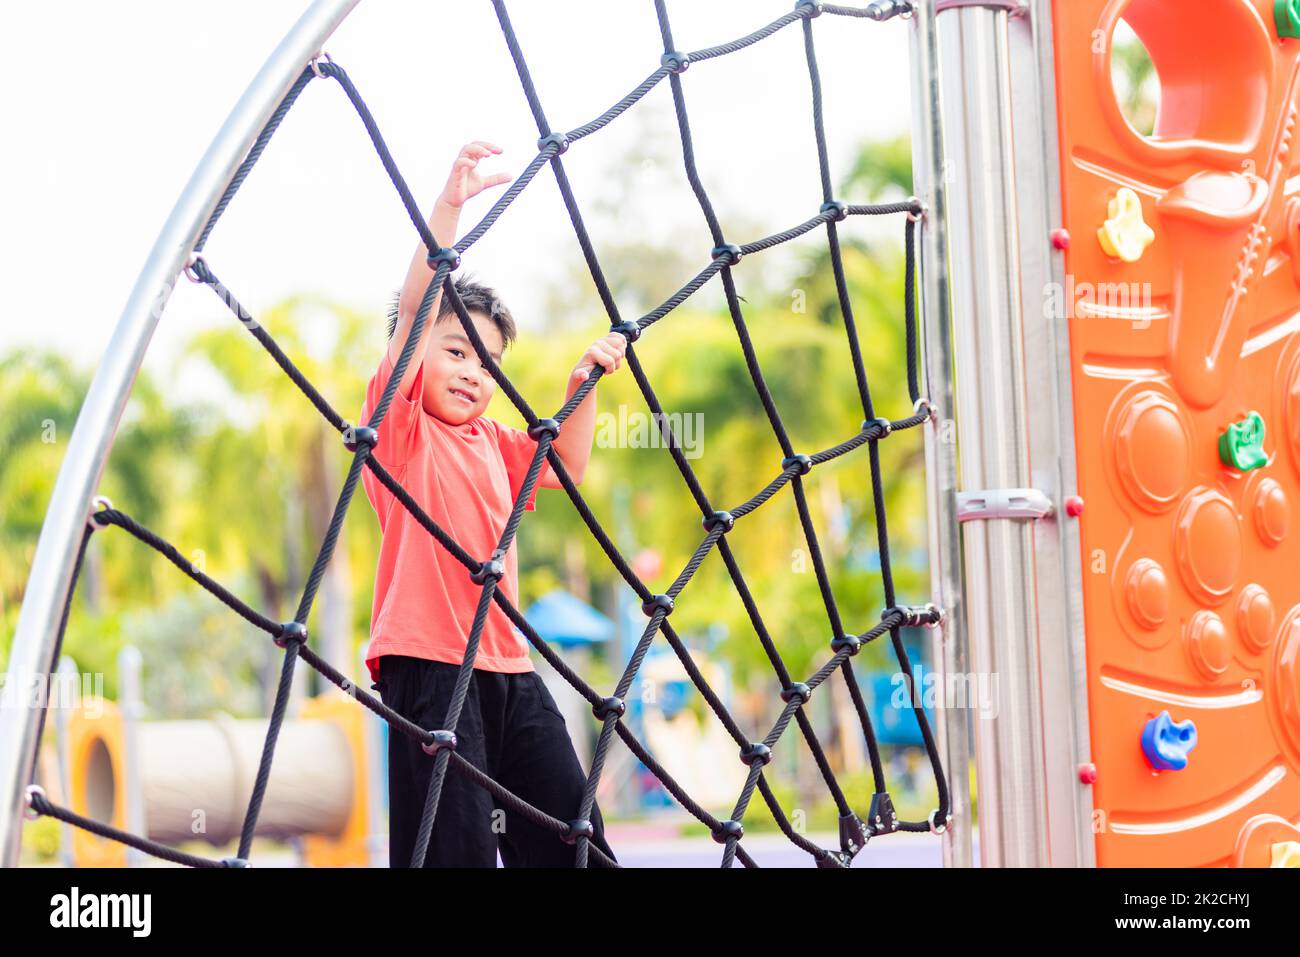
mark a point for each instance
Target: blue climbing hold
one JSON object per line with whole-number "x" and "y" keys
{"x": 1166, "y": 742}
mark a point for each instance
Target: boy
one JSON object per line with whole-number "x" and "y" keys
{"x": 465, "y": 471}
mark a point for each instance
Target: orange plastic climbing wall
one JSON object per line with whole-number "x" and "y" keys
{"x": 1183, "y": 259}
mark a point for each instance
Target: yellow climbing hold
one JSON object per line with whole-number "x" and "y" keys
{"x": 1125, "y": 233}
{"x": 1286, "y": 854}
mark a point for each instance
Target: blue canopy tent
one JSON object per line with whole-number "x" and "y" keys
{"x": 568, "y": 622}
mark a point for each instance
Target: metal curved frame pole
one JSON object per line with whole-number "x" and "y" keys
{"x": 31, "y": 656}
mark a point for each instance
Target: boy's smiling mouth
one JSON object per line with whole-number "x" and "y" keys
{"x": 462, "y": 395}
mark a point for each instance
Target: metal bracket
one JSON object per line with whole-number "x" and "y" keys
{"x": 29, "y": 812}
{"x": 1014, "y": 8}
{"x": 1003, "y": 503}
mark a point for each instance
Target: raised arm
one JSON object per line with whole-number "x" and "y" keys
{"x": 464, "y": 182}
{"x": 573, "y": 445}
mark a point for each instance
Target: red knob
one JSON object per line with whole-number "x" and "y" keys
{"x": 1074, "y": 506}
{"x": 1088, "y": 773}
{"x": 1060, "y": 239}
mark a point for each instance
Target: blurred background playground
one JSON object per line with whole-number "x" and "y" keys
{"x": 248, "y": 485}
{"x": 198, "y": 471}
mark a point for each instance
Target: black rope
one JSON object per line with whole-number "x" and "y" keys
{"x": 293, "y": 637}
{"x": 38, "y": 803}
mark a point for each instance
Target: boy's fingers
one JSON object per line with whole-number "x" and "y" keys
{"x": 599, "y": 359}
{"x": 497, "y": 179}
{"x": 602, "y": 353}
{"x": 492, "y": 146}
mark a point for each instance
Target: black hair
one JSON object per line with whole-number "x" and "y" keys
{"x": 476, "y": 297}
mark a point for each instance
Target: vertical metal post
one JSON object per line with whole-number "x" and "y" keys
{"x": 1049, "y": 425}
{"x": 32, "y": 653}
{"x": 376, "y": 761}
{"x": 130, "y": 664}
{"x": 67, "y": 677}
{"x": 928, "y": 176}
{"x": 1001, "y": 600}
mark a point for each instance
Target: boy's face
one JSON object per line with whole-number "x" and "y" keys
{"x": 456, "y": 385}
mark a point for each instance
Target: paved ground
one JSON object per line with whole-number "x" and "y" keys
{"x": 657, "y": 844}
{"x": 648, "y": 846}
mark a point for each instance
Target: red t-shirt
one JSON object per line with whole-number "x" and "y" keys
{"x": 465, "y": 477}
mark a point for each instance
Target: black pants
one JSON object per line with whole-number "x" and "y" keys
{"x": 511, "y": 730}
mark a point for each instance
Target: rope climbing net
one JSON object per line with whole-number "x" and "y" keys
{"x": 440, "y": 743}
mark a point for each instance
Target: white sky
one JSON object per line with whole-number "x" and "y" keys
{"x": 109, "y": 106}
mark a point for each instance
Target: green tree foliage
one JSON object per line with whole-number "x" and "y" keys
{"x": 41, "y": 396}
{"x": 242, "y": 482}
{"x": 40, "y": 393}
{"x": 1137, "y": 85}
{"x": 882, "y": 173}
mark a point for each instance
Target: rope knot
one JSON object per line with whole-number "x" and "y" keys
{"x": 675, "y": 62}
{"x": 494, "y": 568}
{"x": 723, "y": 518}
{"x": 883, "y": 425}
{"x": 291, "y": 631}
{"x": 558, "y": 140}
{"x": 730, "y": 253}
{"x": 544, "y": 427}
{"x": 839, "y": 210}
{"x": 446, "y": 255}
{"x": 630, "y": 330}
{"x": 727, "y": 830}
{"x": 439, "y": 741}
{"x": 355, "y": 436}
{"x": 579, "y": 828}
{"x": 800, "y": 462}
{"x": 656, "y": 602}
{"x": 851, "y": 642}
{"x": 797, "y": 690}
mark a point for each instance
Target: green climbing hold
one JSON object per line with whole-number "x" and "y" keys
{"x": 1286, "y": 17}
{"x": 1242, "y": 446}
